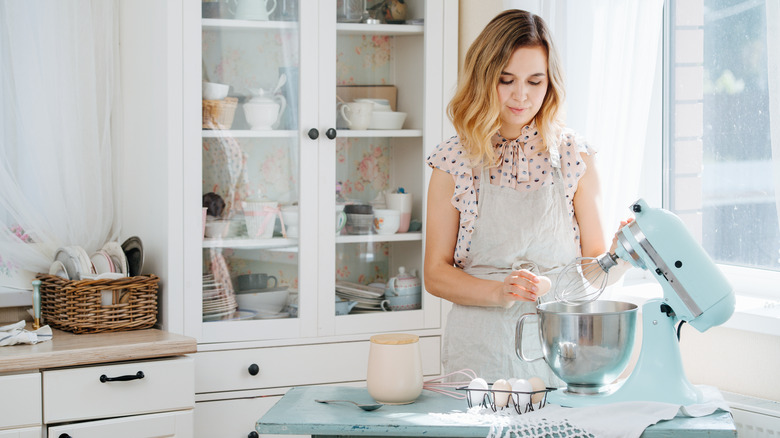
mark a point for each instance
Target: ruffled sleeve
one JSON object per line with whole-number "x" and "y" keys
{"x": 451, "y": 158}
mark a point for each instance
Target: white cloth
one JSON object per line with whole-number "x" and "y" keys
{"x": 513, "y": 230}
{"x": 612, "y": 420}
{"x": 13, "y": 334}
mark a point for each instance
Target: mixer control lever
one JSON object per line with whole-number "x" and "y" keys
{"x": 667, "y": 309}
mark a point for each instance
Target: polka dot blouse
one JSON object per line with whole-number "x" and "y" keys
{"x": 523, "y": 166}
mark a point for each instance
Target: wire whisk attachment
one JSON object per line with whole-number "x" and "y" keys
{"x": 584, "y": 279}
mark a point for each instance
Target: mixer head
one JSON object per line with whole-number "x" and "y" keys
{"x": 694, "y": 287}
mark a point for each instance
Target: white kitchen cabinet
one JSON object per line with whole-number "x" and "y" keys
{"x": 25, "y": 432}
{"x": 178, "y": 424}
{"x": 294, "y": 162}
{"x": 23, "y": 410}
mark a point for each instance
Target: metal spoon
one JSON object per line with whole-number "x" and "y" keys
{"x": 363, "y": 407}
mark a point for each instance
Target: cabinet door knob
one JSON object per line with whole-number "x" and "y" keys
{"x": 331, "y": 133}
{"x": 139, "y": 375}
{"x": 253, "y": 434}
{"x": 313, "y": 133}
{"x": 64, "y": 435}
{"x": 254, "y": 369}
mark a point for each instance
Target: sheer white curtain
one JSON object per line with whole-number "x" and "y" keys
{"x": 609, "y": 49}
{"x": 57, "y": 91}
{"x": 626, "y": 36}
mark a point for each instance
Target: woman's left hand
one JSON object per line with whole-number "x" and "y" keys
{"x": 521, "y": 285}
{"x": 615, "y": 237}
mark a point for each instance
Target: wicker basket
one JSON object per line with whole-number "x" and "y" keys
{"x": 218, "y": 114}
{"x": 94, "y": 306}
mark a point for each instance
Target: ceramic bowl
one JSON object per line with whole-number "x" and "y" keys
{"x": 215, "y": 91}
{"x": 267, "y": 302}
{"x": 387, "y": 120}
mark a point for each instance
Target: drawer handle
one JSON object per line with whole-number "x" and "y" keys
{"x": 64, "y": 435}
{"x": 253, "y": 434}
{"x": 253, "y": 369}
{"x": 139, "y": 375}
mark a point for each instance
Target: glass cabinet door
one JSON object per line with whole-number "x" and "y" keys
{"x": 251, "y": 169}
{"x": 378, "y": 165}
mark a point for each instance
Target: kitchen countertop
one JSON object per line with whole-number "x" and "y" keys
{"x": 68, "y": 349}
{"x": 297, "y": 413}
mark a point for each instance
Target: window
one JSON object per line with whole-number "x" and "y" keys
{"x": 718, "y": 146}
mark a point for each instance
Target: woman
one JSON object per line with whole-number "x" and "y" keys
{"x": 513, "y": 196}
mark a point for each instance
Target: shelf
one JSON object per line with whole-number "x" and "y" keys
{"x": 398, "y": 237}
{"x": 246, "y": 243}
{"x": 380, "y": 133}
{"x": 248, "y": 133}
{"x": 227, "y": 24}
{"x": 379, "y": 29}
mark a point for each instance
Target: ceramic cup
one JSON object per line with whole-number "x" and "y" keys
{"x": 403, "y": 203}
{"x": 395, "y": 375}
{"x": 341, "y": 219}
{"x": 290, "y": 217}
{"x": 357, "y": 114}
{"x": 254, "y": 9}
{"x": 256, "y": 281}
{"x": 386, "y": 221}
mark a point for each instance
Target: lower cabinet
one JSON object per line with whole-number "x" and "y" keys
{"x": 167, "y": 424}
{"x": 138, "y": 399}
{"x": 231, "y": 418}
{"x": 227, "y": 382}
{"x": 27, "y": 432}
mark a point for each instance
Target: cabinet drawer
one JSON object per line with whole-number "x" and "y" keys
{"x": 217, "y": 371}
{"x": 27, "y": 432}
{"x": 79, "y": 394}
{"x": 24, "y": 408}
{"x": 232, "y": 418}
{"x": 167, "y": 424}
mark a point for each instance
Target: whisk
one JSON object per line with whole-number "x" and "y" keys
{"x": 584, "y": 279}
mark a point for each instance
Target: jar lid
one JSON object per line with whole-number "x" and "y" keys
{"x": 395, "y": 339}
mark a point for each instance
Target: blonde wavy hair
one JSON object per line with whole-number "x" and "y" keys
{"x": 475, "y": 108}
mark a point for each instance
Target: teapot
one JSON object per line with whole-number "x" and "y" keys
{"x": 263, "y": 112}
{"x": 403, "y": 284}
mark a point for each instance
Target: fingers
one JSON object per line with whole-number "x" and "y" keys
{"x": 521, "y": 285}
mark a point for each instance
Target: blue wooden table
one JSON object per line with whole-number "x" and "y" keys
{"x": 298, "y": 414}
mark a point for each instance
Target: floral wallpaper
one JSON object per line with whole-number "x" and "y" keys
{"x": 243, "y": 168}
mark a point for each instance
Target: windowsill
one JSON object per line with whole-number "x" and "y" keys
{"x": 752, "y": 313}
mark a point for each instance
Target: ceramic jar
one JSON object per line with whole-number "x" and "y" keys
{"x": 395, "y": 375}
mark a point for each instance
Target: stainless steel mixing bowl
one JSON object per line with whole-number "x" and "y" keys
{"x": 587, "y": 346}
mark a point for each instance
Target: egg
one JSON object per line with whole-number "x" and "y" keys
{"x": 477, "y": 390}
{"x": 501, "y": 393}
{"x": 538, "y": 385}
{"x": 522, "y": 389}
{"x": 544, "y": 285}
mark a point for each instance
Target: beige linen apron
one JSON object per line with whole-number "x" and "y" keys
{"x": 513, "y": 230}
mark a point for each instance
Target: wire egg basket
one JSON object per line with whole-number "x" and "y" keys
{"x": 487, "y": 398}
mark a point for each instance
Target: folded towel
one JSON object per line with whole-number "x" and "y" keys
{"x": 13, "y": 334}
{"x": 624, "y": 419}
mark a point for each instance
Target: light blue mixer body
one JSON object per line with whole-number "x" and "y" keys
{"x": 694, "y": 291}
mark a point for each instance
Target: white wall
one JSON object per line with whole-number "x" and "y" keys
{"x": 732, "y": 360}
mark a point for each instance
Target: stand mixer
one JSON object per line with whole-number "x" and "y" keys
{"x": 694, "y": 291}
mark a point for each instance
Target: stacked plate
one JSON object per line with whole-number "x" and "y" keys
{"x": 218, "y": 303}
{"x": 73, "y": 262}
{"x": 368, "y": 298}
